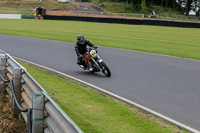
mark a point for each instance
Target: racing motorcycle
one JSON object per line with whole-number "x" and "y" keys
{"x": 94, "y": 63}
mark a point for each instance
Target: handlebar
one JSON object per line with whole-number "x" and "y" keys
{"x": 90, "y": 48}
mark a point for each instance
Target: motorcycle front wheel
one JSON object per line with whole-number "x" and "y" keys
{"x": 106, "y": 71}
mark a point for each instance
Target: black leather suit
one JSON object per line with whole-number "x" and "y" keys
{"x": 81, "y": 50}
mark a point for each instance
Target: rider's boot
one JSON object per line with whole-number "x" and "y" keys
{"x": 82, "y": 66}
{"x": 91, "y": 69}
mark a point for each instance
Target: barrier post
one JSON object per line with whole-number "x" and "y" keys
{"x": 38, "y": 113}
{"x": 17, "y": 76}
{"x": 3, "y": 72}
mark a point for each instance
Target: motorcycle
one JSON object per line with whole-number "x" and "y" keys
{"x": 94, "y": 63}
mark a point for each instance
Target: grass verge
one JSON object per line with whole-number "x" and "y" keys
{"x": 53, "y": 4}
{"x": 181, "y": 42}
{"x": 8, "y": 10}
{"x": 93, "y": 111}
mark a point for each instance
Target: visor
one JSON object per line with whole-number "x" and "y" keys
{"x": 81, "y": 41}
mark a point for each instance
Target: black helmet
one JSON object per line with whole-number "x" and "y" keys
{"x": 81, "y": 39}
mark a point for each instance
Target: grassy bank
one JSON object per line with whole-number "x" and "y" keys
{"x": 31, "y": 4}
{"x": 124, "y": 7}
{"x": 8, "y": 10}
{"x": 26, "y": 6}
{"x": 181, "y": 42}
{"x": 95, "y": 112}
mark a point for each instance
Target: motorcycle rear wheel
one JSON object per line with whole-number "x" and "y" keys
{"x": 106, "y": 71}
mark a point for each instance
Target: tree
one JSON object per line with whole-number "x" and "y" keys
{"x": 143, "y": 6}
{"x": 196, "y": 7}
{"x": 137, "y": 4}
{"x": 188, "y": 7}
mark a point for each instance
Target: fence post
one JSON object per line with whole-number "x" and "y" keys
{"x": 3, "y": 72}
{"x": 38, "y": 113}
{"x": 17, "y": 75}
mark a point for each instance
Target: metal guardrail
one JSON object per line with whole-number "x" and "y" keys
{"x": 44, "y": 115}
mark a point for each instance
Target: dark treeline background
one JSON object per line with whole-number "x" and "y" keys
{"x": 184, "y": 6}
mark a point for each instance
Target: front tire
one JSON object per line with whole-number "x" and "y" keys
{"x": 106, "y": 71}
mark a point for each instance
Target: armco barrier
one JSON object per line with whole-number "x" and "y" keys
{"x": 39, "y": 110}
{"x": 27, "y": 16}
{"x": 10, "y": 16}
{"x": 126, "y": 21}
{"x": 16, "y": 16}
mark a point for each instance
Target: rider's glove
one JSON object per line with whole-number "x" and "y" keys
{"x": 81, "y": 56}
{"x": 95, "y": 47}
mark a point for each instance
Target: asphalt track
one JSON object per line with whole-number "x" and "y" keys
{"x": 165, "y": 84}
{"x": 85, "y": 7}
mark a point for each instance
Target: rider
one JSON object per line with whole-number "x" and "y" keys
{"x": 80, "y": 48}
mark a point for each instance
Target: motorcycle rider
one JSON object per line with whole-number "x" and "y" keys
{"x": 81, "y": 49}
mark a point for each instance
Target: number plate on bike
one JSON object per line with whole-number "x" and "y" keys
{"x": 93, "y": 52}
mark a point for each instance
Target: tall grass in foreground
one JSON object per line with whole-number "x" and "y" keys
{"x": 181, "y": 42}
{"x": 94, "y": 112}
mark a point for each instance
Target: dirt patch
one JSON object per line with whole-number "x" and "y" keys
{"x": 7, "y": 123}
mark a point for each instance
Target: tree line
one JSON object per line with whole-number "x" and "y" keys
{"x": 185, "y": 6}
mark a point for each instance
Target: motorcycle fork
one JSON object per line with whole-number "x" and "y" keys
{"x": 98, "y": 67}
{"x": 89, "y": 63}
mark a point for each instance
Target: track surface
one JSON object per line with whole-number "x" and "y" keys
{"x": 85, "y": 7}
{"x": 168, "y": 85}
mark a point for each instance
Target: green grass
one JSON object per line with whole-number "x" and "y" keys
{"x": 116, "y": 7}
{"x": 94, "y": 112}
{"x": 181, "y": 42}
{"x": 124, "y": 7}
{"x": 7, "y": 10}
{"x": 24, "y": 5}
